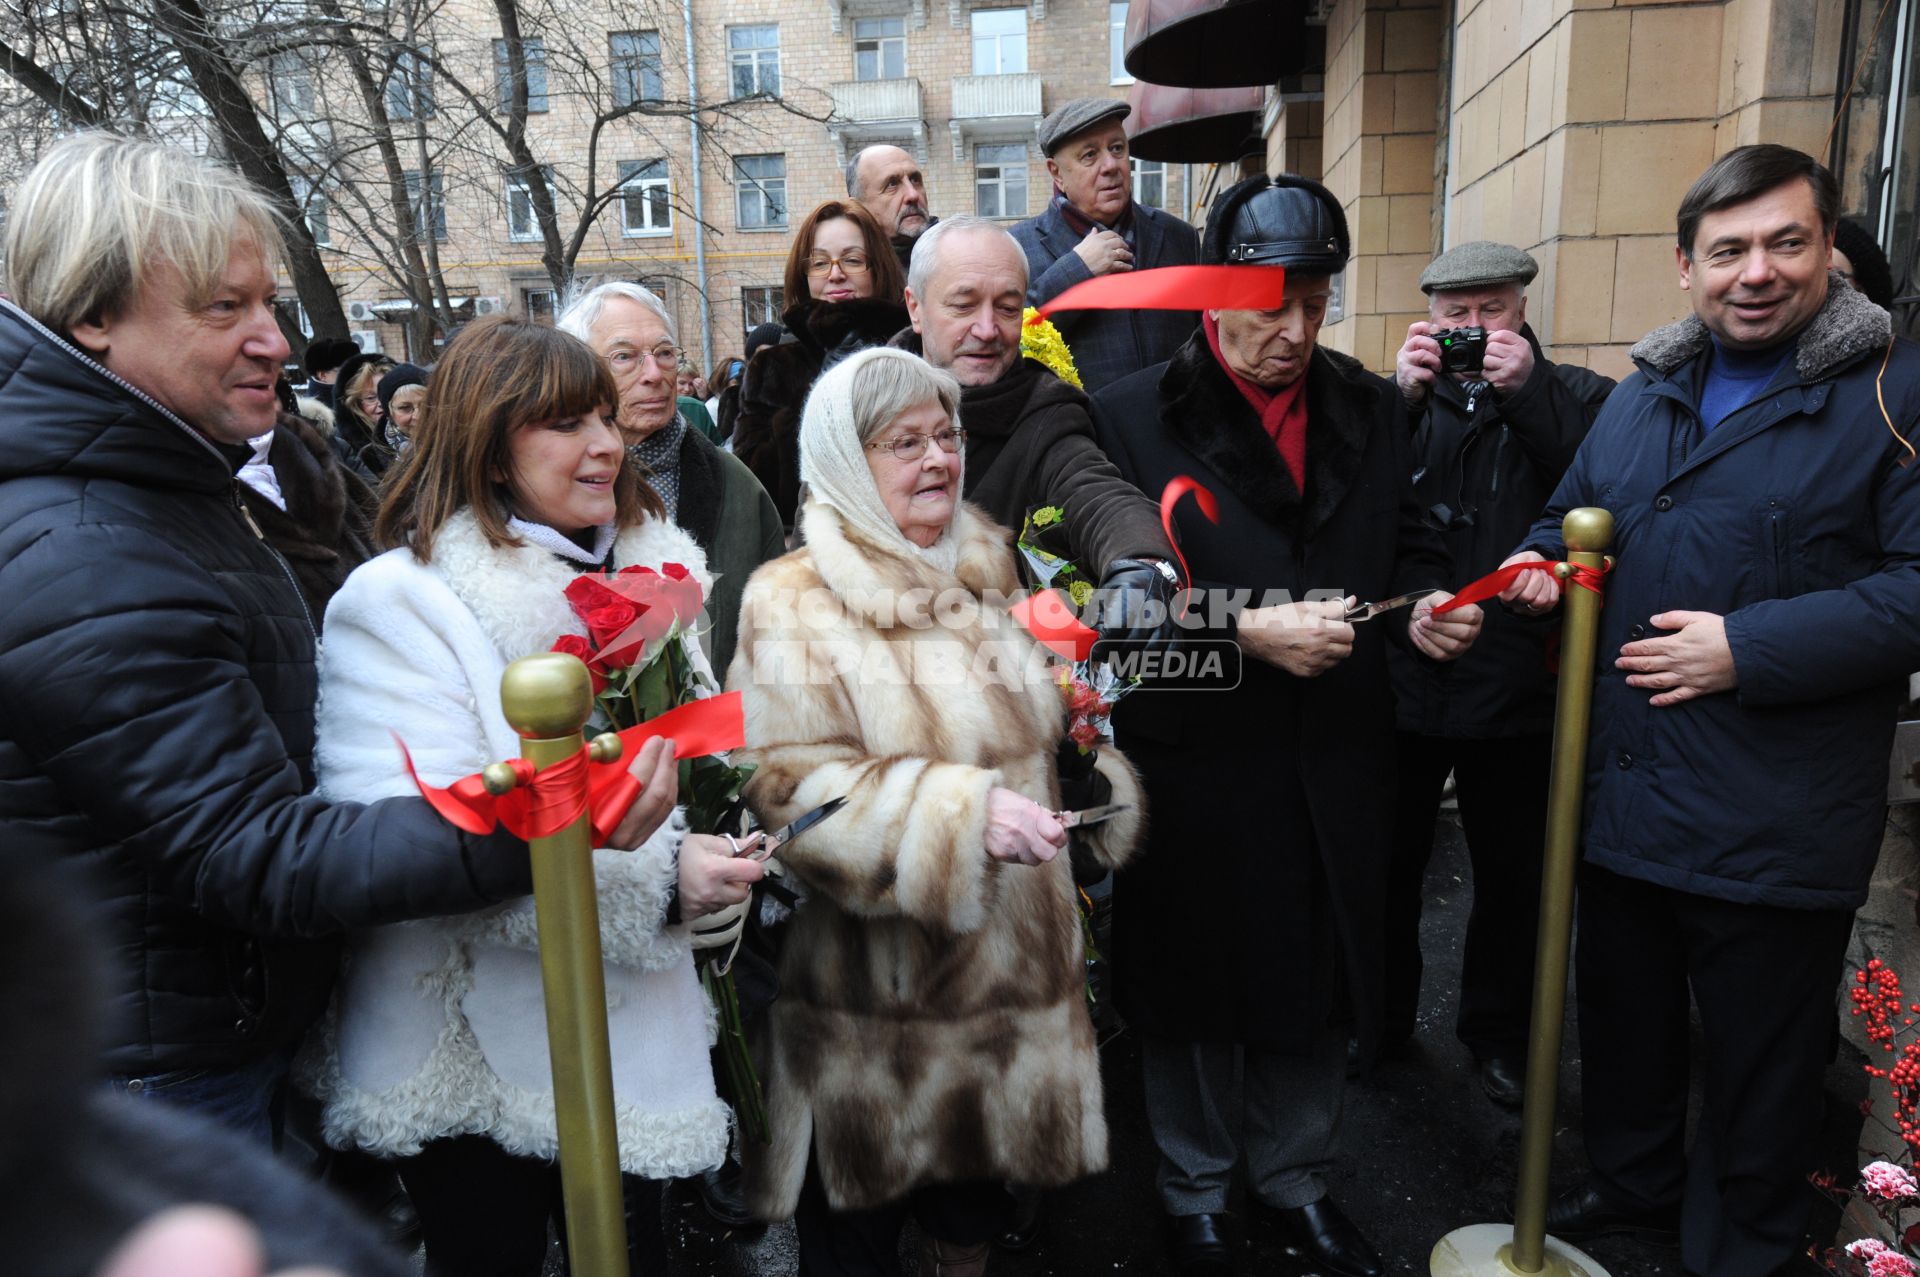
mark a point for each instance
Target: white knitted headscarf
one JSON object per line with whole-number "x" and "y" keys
{"x": 833, "y": 464}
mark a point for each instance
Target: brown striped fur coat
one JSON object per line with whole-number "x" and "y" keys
{"x": 932, "y": 1024}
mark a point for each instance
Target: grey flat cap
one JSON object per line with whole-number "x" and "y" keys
{"x": 1077, "y": 117}
{"x": 1480, "y": 264}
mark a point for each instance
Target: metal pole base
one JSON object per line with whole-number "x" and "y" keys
{"x": 1486, "y": 1250}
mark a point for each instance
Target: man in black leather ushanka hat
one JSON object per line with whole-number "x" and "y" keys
{"x": 1246, "y": 937}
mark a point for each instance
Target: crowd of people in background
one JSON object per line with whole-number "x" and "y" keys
{"x": 229, "y": 590}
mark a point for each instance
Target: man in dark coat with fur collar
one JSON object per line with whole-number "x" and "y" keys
{"x": 1247, "y": 937}
{"x": 1760, "y": 625}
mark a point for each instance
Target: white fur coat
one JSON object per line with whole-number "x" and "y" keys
{"x": 439, "y": 1026}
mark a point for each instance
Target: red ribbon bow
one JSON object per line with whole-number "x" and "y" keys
{"x": 1500, "y": 578}
{"x": 1176, "y": 288}
{"x": 551, "y": 798}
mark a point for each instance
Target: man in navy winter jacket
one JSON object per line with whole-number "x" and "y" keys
{"x": 1757, "y": 635}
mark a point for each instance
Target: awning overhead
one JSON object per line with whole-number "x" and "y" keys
{"x": 1194, "y": 126}
{"x": 1211, "y": 44}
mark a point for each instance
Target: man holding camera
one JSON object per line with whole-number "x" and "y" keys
{"x": 1494, "y": 426}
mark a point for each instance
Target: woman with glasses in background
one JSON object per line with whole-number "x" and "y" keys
{"x": 357, "y": 413}
{"x": 844, "y": 288}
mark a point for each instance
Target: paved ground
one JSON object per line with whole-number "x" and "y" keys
{"x": 1424, "y": 1152}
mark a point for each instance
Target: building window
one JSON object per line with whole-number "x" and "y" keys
{"x": 1150, "y": 182}
{"x": 760, "y": 191}
{"x": 879, "y": 48}
{"x": 759, "y": 305}
{"x": 535, "y": 53}
{"x": 537, "y": 304}
{"x": 312, "y": 203}
{"x": 290, "y": 85}
{"x": 646, "y": 198}
{"x": 430, "y": 211}
{"x": 635, "y": 59}
{"x": 410, "y": 86}
{"x": 999, "y": 41}
{"x": 522, "y": 222}
{"x": 1117, "y": 42}
{"x": 754, "y": 55}
{"x": 1000, "y": 180}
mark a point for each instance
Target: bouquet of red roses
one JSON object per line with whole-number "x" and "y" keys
{"x": 636, "y": 619}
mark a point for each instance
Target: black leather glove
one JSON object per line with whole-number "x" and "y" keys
{"x": 1135, "y": 602}
{"x": 1081, "y": 786}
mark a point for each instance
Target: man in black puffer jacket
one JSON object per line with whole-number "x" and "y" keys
{"x": 157, "y": 675}
{"x": 1490, "y": 442}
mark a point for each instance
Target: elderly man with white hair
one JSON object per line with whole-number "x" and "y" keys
{"x": 709, "y": 493}
{"x": 157, "y": 668}
{"x": 1030, "y": 438}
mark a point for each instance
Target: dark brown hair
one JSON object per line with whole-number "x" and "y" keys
{"x": 882, "y": 266}
{"x": 498, "y": 374}
{"x": 1748, "y": 172}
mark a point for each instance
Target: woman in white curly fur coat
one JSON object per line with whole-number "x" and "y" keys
{"x": 436, "y": 1053}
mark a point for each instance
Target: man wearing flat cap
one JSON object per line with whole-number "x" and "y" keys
{"x": 1246, "y": 937}
{"x": 1492, "y": 435}
{"x": 1092, "y": 227}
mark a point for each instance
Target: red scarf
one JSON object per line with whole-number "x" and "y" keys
{"x": 1283, "y": 412}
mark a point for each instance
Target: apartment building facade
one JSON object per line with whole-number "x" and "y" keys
{"x": 699, "y": 203}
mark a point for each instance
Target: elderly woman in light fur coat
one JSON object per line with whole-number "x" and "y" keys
{"x": 931, "y": 1040}
{"x": 436, "y": 1053}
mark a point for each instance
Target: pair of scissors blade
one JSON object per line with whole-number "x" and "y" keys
{"x": 1367, "y": 611}
{"x": 1090, "y": 815}
{"x": 787, "y": 833}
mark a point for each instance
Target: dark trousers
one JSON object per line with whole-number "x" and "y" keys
{"x": 484, "y": 1211}
{"x": 1764, "y": 979}
{"x": 1501, "y": 787}
{"x": 866, "y": 1243}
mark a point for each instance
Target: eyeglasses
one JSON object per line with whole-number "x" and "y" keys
{"x": 666, "y": 355}
{"x": 913, "y": 447}
{"x": 853, "y": 262}
{"x": 368, "y": 401}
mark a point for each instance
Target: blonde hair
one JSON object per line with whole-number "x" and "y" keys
{"x": 99, "y": 211}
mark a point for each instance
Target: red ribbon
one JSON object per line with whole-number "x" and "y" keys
{"x": 1047, "y": 617}
{"x": 551, "y": 798}
{"x": 1176, "y": 288}
{"x": 1500, "y": 578}
{"x": 1177, "y": 487}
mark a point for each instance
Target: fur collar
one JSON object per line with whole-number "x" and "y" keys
{"x": 1202, "y": 411}
{"x": 517, "y": 592}
{"x": 1846, "y": 327}
{"x": 823, "y": 327}
{"x": 866, "y": 577}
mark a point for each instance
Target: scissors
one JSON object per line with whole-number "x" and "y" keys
{"x": 1367, "y": 611}
{"x": 781, "y": 837}
{"x": 1090, "y": 815}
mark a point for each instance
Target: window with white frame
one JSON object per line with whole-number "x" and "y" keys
{"x": 429, "y": 205}
{"x": 1117, "y": 42}
{"x": 1150, "y": 182}
{"x": 534, "y": 51}
{"x": 760, "y": 191}
{"x": 759, "y": 304}
{"x": 646, "y": 198}
{"x": 290, "y": 86}
{"x": 1000, "y": 179}
{"x": 522, "y": 222}
{"x": 753, "y": 54}
{"x": 312, "y": 203}
{"x": 879, "y": 48}
{"x": 410, "y": 86}
{"x": 999, "y": 41}
{"x": 635, "y": 62}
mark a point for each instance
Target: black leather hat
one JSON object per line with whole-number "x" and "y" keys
{"x": 1288, "y": 221}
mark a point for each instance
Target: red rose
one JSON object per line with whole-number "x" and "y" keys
{"x": 672, "y": 585}
{"x": 588, "y": 592}
{"x": 617, "y": 632}
{"x": 575, "y": 645}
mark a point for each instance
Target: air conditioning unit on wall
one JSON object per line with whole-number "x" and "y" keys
{"x": 362, "y": 313}
{"x": 489, "y": 305}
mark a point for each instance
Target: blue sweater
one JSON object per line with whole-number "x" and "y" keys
{"x": 1735, "y": 379}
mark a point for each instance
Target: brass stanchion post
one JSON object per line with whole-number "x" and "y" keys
{"x": 1494, "y": 1250}
{"x": 547, "y": 700}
